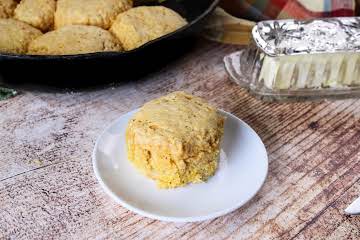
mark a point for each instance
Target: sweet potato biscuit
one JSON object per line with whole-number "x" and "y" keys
{"x": 37, "y": 13}
{"x": 7, "y": 8}
{"x": 89, "y": 12}
{"x": 74, "y": 39}
{"x": 15, "y": 36}
{"x": 142, "y": 24}
{"x": 175, "y": 140}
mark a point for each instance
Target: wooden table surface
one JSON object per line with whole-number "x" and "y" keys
{"x": 48, "y": 189}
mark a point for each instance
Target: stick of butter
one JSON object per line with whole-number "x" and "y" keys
{"x": 333, "y": 70}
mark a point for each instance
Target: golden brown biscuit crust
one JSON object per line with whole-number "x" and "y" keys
{"x": 37, "y": 13}
{"x": 15, "y": 36}
{"x": 142, "y": 24}
{"x": 74, "y": 39}
{"x": 7, "y": 8}
{"x": 89, "y": 12}
{"x": 175, "y": 139}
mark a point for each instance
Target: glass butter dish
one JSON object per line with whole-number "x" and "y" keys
{"x": 300, "y": 60}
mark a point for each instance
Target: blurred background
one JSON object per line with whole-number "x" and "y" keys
{"x": 233, "y": 19}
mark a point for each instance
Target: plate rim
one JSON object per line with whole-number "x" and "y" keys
{"x": 123, "y": 203}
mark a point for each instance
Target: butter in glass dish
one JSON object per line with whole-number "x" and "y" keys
{"x": 295, "y": 59}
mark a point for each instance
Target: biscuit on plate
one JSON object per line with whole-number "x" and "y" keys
{"x": 7, "y": 8}
{"x": 74, "y": 39}
{"x": 15, "y": 36}
{"x": 37, "y": 13}
{"x": 89, "y": 12}
{"x": 140, "y": 25}
{"x": 175, "y": 140}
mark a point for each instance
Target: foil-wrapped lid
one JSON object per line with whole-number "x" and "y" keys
{"x": 291, "y": 37}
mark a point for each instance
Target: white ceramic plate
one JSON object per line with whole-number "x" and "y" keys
{"x": 242, "y": 171}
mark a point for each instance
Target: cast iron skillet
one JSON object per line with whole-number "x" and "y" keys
{"x": 73, "y": 70}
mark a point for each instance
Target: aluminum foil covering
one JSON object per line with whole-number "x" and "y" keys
{"x": 291, "y": 37}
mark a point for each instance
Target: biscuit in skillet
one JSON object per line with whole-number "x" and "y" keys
{"x": 37, "y": 13}
{"x": 7, "y": 8}
{"x": 74, "y": 39}
{"x": 15, "y": 36}
{"x": 89, "y": 12}
{"x": 140, "y": 25}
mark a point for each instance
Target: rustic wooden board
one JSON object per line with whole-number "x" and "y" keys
{"x": 48, "y": 189}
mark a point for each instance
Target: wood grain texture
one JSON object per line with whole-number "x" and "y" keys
{"x": 48, "y": 190}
